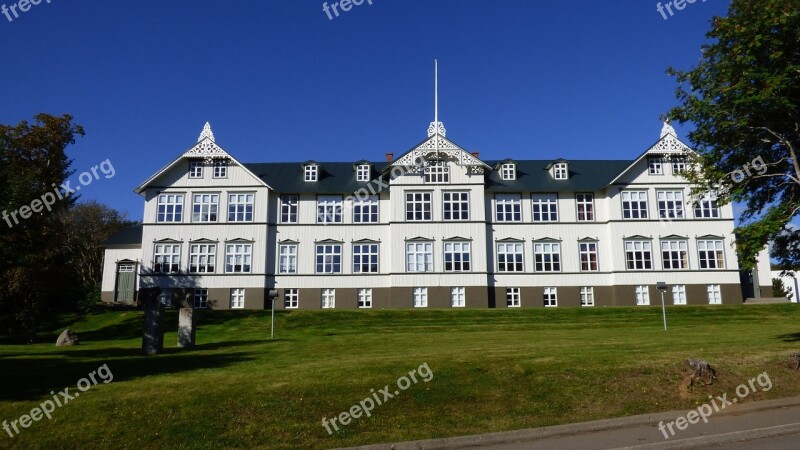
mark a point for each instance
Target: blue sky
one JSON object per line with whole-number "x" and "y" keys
{"x": 280, "y": 81}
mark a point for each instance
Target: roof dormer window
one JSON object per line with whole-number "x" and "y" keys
{"x": 311, "y": 172}
{"x": 362, "y": 172}
{"x": 508, "y": 171}
{"x": 560, "y": 171}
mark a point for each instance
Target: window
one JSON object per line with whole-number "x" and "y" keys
{"x": 237, "y": 298}
{"x": 362, "y": 172}
{"x": 457, "y": 257}
{"x": 170, "y": 208}
{"x": 329, "y": 258}
{"x": 328, "y": 298}
{"x": 419, "y": 257}
{"x": 678, "y": 165}
{"x": 711, "y": 254}
{"x": 195, "y": 169}
{"x": 167, "y": 258}
{"x": 289, "y": 206}
{"x": 365, "y": 298}
{"x": 587, "y": 296}
{"x": 240, "y": 207}
{"x": 220, "y": 169}
{"x": 670, "y": 204}
{"x": 560, "y": 171}
{"x": 205, "y": 207}
{"x": 585, "y": 204}
{"x": 365, "y": 258}
{"x": 437, "y": 172}
{"x": 550, "y": 295}
{"x": 513, "y": 297}
{"x": 420, "y": 297}
{"x": 634, "y": 205}
{"x": 509, "y": 257}
{"x": 329, "y": 209}
{"x": 545, "y": 208}
{"x": 456, "y": 205}
{"x": 418, "y": 206}
{"x": 675, "y": 255}
{"x": 508, "y": 207}
{"x": 311, "y": 172}
{"x": 547, "y": 257}
{"x": 127, "y": 268}
{"x": 679, "y": 294}
{"x": 202, "y": 258}
{"x": 287, "y": 258}
{"x": 588, "y": 254}
{"x": 706, "y": 207}
{"x": 165, "y": 297}
{"x": 642, "y": 295}
{"x": 638, "y": 255}
{"x": 291, "y": 298}
{"x": 655, "y": 166}
{"x": 457, "y": 297}
{"x": 508, "y": 172}
{"x": 238, "y": 258}
{"x": 200, "y": 296}
{"x": 714, "y": 294}
{"x": 365, "y": 210}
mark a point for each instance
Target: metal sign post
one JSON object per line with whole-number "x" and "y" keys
{"x": 272, "y": 294}
{"x": 662, "y": 287}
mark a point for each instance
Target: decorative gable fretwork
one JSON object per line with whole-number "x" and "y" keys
{"x": 206, "y": 148}
{"x": 419, "y": 158}
{"x": 669, "y": 145}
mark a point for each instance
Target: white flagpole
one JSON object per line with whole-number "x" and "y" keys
{"x": 436, "y": 107}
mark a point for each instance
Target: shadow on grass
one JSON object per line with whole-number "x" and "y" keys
{"x": 26, "y": 378}
{"x": 792, "y": 337}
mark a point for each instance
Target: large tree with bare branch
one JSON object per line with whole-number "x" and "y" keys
{"x": 744, "y": 100}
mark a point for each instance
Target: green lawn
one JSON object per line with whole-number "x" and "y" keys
{"x": 493, "y": 370}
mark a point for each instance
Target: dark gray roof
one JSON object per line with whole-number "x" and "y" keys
{"x": 125, "y": 236}
{"x": 532, "y": 175}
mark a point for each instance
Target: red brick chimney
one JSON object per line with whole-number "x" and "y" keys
{"x": 389, "y": 157}
{"x": 475, "y": 154}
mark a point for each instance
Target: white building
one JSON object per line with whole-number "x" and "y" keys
{"x": 791, "y": 282}
{"x": 436, "y": 227}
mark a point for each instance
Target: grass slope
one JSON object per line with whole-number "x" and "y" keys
{"x": 493, "y": 370}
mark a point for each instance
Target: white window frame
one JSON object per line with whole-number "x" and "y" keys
{"x": 587, "y": 296}
{"x": 714, "y": 294}
{"x": 366, "y": 209}
{"x": 290, "y": 206}
{"x": 436, "y": 172}
{"x": 419, "y": 256}
{"x": 241, "y": 206}
{"x": 200, "y": 298}
{"x": 458, "y": 297}
{"x": 419, "y": 296}
{"x": 196, "y": 169}
{"x": 642, "y": 293}
{"x": 513, "y": 297}
{"x": 366, "y": 257}
{"x": 670, "y": 204}
{"x": 328, "y": 259}
{"x": 546, "y": 257}
{"x": 584, "y": 203}
{"x": 588, "y": 256}
{"x": 238, "y": 255}
{"x": 291, "y": 298}
{"x": 560, "y": 171}
{"x": 638, "y": 253}
{"x": 510, "y": 255}
{"x": 310, "y": 173}
{"x": 329, "y": 209}
{"x": 634, "y": 203}
{"x": 706, "y": 207}
{"x": 544, "y": 207}
{"x": 508, "y": 172}
{"x": 675, "y": 250}
{"x": 237, "y": 298}
{"x": 170, "y": 208}
{"x": 419, "y": 206}
{"x": 202, "y": 258}
{"x": 508, "y": 207}
{"x": 550, "y": 296}
{"x": 678, "y": 164}
{"x": 167, "y": 254}
{"x": 362, "y": 172}
{"x": 679, "y": 294}
{"x": 457, "y": 256}
{"x": 455, "y": 206}
{"x": 220, "y": 168}
{"x": 328, "y": 298}
{"x": 287, "y": 258}
{"x": 655, "y": 165}
{"x": 364, "y": 298}
{"x": 205, "y": 208}
{"x": 708, "y": 247}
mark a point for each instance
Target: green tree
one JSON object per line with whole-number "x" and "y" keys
{"x": 778, "y": 288}
{"x": 744, "y": 101}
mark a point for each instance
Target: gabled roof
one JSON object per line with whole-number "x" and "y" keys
{"x": 532, "y": 175}
{"x": 668, "y": 144}
{"x": 127, "y": 236}
{"x": 445, "y": 146}
{"x": 337, "y": 178}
